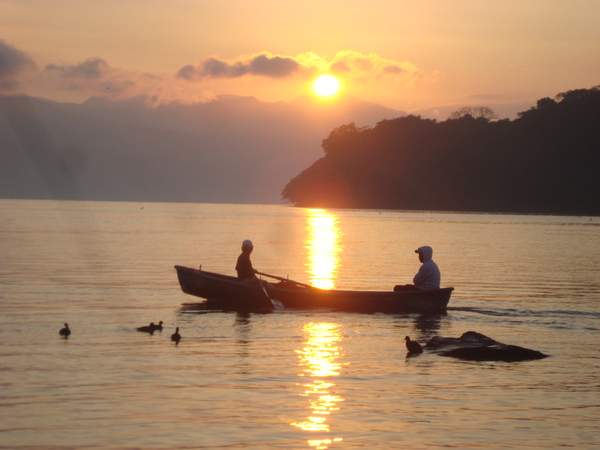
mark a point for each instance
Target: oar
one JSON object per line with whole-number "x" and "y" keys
{"x": 284, "y": 279}
{"x": 276, "y": 303}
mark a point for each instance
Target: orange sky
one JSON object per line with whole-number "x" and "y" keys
{"x": 401, "y": 54}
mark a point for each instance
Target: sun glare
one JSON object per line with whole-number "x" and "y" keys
{"x": 326, "y": 85}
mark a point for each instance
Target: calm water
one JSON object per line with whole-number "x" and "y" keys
{"x": 292, "y": 380}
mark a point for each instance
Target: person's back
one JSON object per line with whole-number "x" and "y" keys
{"x": 429, "y": 276}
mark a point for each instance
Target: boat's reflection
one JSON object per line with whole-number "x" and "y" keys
{"x": 323, "y": 246}
{"x": 319, "y": 361}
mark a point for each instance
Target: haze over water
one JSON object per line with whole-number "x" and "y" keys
{"x": 293, "y": 380}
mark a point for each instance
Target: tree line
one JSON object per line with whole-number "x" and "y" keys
{"x": 545, "y": 161}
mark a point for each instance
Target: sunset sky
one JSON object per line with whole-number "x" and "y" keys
{"x": 401, "y": 54}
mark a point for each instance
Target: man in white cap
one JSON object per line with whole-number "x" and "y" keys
{"x": 244, "y": 268}
{"x": 429, "y": 276}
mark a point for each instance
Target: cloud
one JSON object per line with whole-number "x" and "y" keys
{"x": 264, "y": 65}
{"x": 349, "y": 64}
{"x": 205, "y": 80}
{"x": 13, "y": 62}
{"x": 96, "y": 77}
{"x": 363, "y": 68}
{"x": 90, "y": 69}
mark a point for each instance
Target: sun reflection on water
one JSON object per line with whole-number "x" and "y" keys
{"x": 323, "y": 244}
{"x": 319, "y": 360}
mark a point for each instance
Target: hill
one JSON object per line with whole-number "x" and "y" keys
{"x": 545, "y": 161}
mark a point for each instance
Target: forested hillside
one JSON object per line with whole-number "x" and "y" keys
{"x": 546, "y": 161}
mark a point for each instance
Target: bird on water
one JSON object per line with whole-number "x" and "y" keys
{"x": 65, "y": 331}
{"x": 159, "y": 326}
{"x": 148, "y": 329}
{"x": 413, "y": 346}
{"x": 176, "y": 337}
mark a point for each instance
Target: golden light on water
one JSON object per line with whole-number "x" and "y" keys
{"x": 319, "y": 361}
{"x": 322, "y": 444}
{"x": 323, "y": 245}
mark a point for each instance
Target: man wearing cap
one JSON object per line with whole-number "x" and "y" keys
{"x": 428, "y": 276}
{"x": 244, "y": 268}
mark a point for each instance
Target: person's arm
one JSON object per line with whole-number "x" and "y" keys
{"x": 421, "y": 275}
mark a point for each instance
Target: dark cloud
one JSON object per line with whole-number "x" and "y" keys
{"x": 392, "y": 70}
{"x": 12, "y": 62}
{"x": 187, "y": 72}
{"x": 275, "y": 67}
{"x": 95, "y": 76}
{"x": 90, "y": 69}
{"x": 264, "y": 65}
{"x": 213, "y": 68}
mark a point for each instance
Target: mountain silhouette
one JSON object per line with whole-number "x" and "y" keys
{"x": 546, "y": 161}
{"x": 229, "y": 150}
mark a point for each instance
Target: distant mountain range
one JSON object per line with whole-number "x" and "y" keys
{"x": 230, "y": 150}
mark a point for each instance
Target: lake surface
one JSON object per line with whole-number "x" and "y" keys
{"x": 292, "y": 380}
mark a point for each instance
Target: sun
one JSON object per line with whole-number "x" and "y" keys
{"x": 326, "y": 85}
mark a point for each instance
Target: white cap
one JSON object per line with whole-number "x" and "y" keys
{"x": 247, "y": 243}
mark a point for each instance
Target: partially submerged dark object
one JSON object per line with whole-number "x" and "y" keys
{"x": 473, "y": 346}
{"x": 229, "y": 293}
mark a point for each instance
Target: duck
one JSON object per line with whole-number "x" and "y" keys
{"x": 159, "y": 326}
{"x": 413, "y": 346}
{"x": 65, "y": 331}
{"x": 176, "y": 337}
{"x": 148, "y": 329}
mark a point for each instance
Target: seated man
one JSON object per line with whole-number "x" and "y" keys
{"x": 244, "y": 268}
{"x": 429, "y": 276}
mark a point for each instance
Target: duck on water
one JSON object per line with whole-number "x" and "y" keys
{"x": 65, "y": 332}
{"x": 176, "y": 337}
{"x": 413, "y": 346}
{"x": 151, "y": 328}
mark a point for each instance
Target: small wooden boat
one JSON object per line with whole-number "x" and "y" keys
{"x": 228, "y": 293}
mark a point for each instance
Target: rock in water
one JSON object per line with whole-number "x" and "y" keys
{"x": 500, "y": 352}
{"x": 473, "y": 346}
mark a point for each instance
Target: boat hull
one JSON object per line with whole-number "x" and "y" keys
{"x": 222, "y": 291}
{"x": 225, "y": 292}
